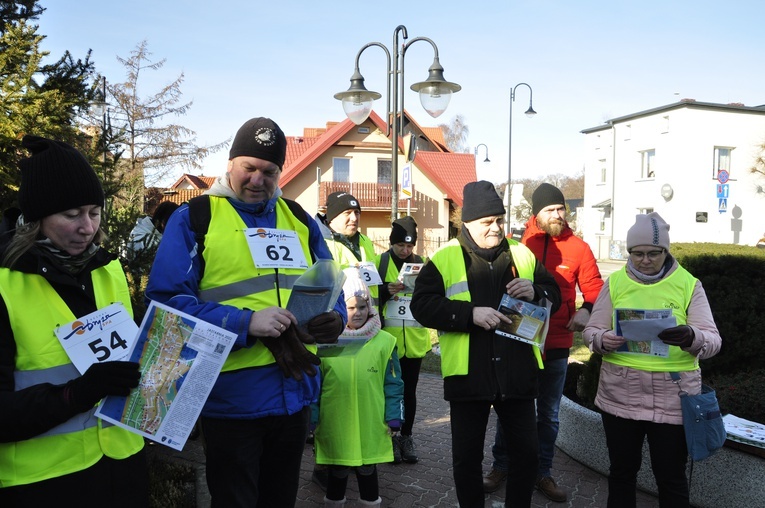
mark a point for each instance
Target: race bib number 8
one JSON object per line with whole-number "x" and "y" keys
{"x": 398, "y": 308}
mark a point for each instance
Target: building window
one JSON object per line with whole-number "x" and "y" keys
{"x": 603, "y": 170}
{"x": 383, "y": 172}
{"x": 721, "y": 160}
{"x": 664, "y": 124}
{"x": 341, "y": 169}
{"x": 647, "y": 164}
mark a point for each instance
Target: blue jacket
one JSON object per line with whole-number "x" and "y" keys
{"x": 174, "y": 281}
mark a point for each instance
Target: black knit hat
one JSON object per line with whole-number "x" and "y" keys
{"x": 261, "y": 138}
{"x": 403, "y": 230}
{"x": 546, "y": 195}
{"x": 338, "y": 202}
{"x": 480, "y": 199}
{"x": 56, "y": 177}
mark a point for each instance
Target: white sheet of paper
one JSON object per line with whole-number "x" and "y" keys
{"x": 646, "y": 329}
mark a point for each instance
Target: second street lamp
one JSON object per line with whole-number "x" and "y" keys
{"x": 487, "y": 152}
{"x": 435, "y": 94}
{"x": 529, "y": 113}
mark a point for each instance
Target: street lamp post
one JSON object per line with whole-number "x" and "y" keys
{"x": 487, "y": 152}
{"x": 435, "y": 93}
{"x": 529, "y": 113}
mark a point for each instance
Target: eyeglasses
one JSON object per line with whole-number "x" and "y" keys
{"x": 652, "y": 255}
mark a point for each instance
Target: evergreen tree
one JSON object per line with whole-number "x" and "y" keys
{"x": 35, "y": 98}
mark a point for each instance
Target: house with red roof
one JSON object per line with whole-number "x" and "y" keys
{"x": 357, "y": 159}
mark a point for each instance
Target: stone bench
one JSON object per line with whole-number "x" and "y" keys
{"x": 730, "y": 478}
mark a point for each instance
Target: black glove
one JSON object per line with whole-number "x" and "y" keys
{"x": 291, "y": 355}
{"x": 681, "y": 336}
{"x": 326, "y": 327}
{"x": 100, "y": 380}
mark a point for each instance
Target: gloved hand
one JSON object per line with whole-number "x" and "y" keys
{"x": 681, "y": 336}
{"x": 291, "y": 355}
{"x": 100, "y": 380}
{"x": 326, "y": 327}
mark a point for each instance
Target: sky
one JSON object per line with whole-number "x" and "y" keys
{"x": 586, "y": 62}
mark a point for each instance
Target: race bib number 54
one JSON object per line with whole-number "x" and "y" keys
{"x": 105, "y": 335}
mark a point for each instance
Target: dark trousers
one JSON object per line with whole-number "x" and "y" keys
{"x": 255, "y": 463}
{"x": 410, "y": 374}
{"x": 519, "y": 424}
{"x": 669, "y": 456}
{"x": 109, "y": 482}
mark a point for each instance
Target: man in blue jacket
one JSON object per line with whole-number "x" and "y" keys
{"x": 216, "y": 262}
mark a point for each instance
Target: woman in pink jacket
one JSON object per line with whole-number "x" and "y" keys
{"x": 636, "y": 393}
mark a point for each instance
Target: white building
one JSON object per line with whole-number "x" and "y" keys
{"x": 689, "y": 161}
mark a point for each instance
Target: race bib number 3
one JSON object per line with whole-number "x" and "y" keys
{"x": 105, "y": 335}
{"x": 275, "y": 248}
{"x": 369, "y": 273}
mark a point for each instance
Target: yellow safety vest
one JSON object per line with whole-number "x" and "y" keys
{"x": 455, "y": 346}
{"x": 231, "y": 277}
{"x": 412, "y": 340}
{"x": 673, "y": 292}
{"x": 352, "y": 430}
{"x": 35, "y": 310}
{"x": 346, "y": 258}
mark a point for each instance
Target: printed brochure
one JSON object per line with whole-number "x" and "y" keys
{"x": 529, "y": 321}
{"x": 180, "y": 358}
{"x": 641, "y": 328}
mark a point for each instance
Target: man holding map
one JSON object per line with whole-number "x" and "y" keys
{"x": 459, "y": 293}
{"x": 230, "y": 258}
{"x": 571, "y": 261}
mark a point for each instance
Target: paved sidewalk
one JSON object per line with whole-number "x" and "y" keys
{"x": 429, "y": 483}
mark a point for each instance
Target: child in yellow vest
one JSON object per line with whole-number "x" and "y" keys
{"x": 361, "y": 402}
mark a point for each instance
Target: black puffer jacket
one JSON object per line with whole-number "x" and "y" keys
{"x": 497, "y": 366}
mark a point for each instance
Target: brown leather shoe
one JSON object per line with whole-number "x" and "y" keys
{"x": 547, "y": 486}
{"x": 493, "y": 480}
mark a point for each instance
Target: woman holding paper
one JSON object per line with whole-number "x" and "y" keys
{"x": 636, "y": 393}
{"x": 53, "y": 272}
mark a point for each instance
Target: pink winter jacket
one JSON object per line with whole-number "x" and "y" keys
{"x": 652, "y": 396}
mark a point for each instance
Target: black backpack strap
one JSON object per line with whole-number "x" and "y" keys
{"x": 199, "y": 217}
{"x": 384, "y": 261}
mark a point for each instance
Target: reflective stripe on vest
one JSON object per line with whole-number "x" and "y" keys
{"x": 81, "y": 441}
{"x": 455, "y": 346}
{"x": 673, "y": 292}
{"x": 231, "y": 277}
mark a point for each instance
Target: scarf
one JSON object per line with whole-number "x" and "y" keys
{"x": 649, "y": 279}
{"x": 63, "y": 260}
{"x": 368, "y": 330}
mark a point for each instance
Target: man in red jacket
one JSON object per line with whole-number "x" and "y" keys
{"x": 572, "y": 263}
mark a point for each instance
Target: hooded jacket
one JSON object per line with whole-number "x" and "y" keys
{"x": 572, "y": 263}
